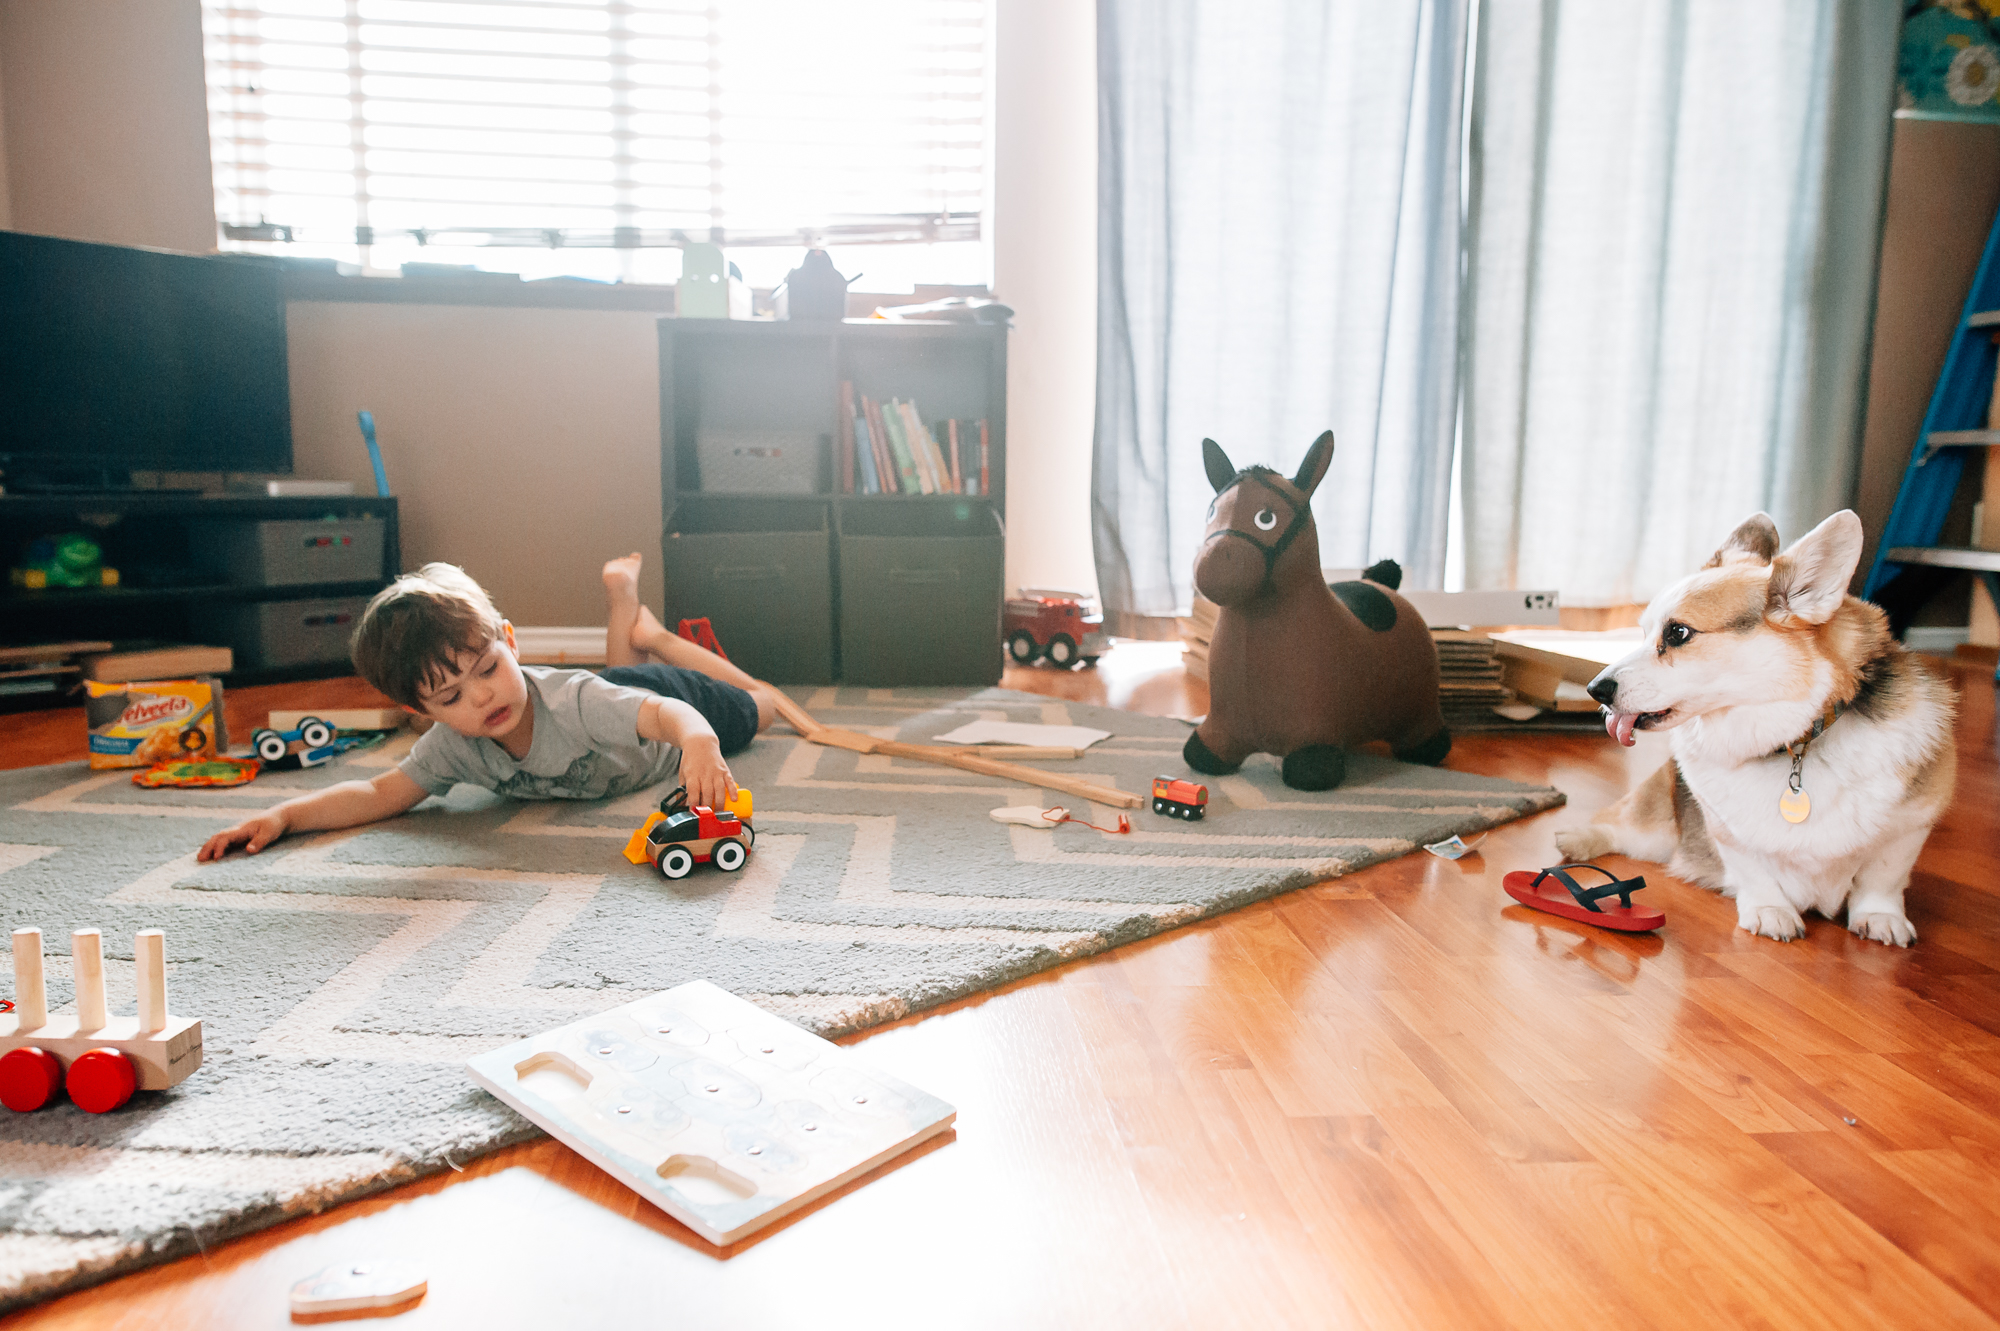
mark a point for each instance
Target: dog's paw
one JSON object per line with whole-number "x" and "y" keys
{"x": 1577, "y": 844}
{"x": 1883, "y": 927}
{"x": 1779, "y": 922}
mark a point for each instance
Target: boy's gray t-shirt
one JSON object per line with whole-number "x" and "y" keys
{"x": 586, "y": 745}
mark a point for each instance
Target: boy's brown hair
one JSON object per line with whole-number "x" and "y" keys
{"x": 417, "y": 628}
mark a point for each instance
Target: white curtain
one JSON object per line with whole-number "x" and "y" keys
{"x": 1673, "y": 228}
{"x": 1278, "y": 255}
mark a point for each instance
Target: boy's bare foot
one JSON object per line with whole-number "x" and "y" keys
{"x": 621, "y": 589}
{"x": 621, "y": 577}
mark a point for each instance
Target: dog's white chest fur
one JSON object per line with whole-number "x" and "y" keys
{"x": 1855, "y": 791}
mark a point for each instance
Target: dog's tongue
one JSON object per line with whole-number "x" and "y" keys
{"x": 1619, "y": 725}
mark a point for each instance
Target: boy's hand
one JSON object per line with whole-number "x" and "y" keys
{"x": 705, "y": 774}
{"x": 257, "y": 833}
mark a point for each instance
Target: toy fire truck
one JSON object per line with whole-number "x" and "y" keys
{"x": 1179, "y": 799}
{"x": 675, "y": 838}
{"x": 1061, "y": 628}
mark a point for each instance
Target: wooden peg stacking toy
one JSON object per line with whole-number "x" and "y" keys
{"x": 101, "y": 1059}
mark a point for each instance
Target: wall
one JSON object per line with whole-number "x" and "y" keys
{"x": 6, "y": 209}
{"x": 510, "y": 432}
{"x": 1944, "y": 187}
{"x": 1045, "y": 266}
{"x": 106, "y": 121}
{"x": 525, "y": 443}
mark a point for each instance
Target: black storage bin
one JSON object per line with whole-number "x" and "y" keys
{"x": 761, "y": 572}
{"x": 921, "y": 582}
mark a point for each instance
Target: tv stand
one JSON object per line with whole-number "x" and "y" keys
{"x": 147, "y": 535}
{"x": 67, "y": 481}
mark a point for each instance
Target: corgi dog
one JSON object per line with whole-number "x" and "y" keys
{"x": 1811, "y": 755}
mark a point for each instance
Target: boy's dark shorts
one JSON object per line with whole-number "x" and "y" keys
{"x": 731, "y": 711}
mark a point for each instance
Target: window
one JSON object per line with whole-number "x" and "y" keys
{"x": 591, "y": 136}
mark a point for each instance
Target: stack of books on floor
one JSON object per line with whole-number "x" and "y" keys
{"x": 1469, "y": 684}
{"x": 1197, "y": 626}
{"x": 887, "y": 448}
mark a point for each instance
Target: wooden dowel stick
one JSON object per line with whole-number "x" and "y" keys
{"x": 149, "y": 956}
{"x": 796, "y": 716}
{"x": 31, "y": 996}
{"x": 86, "y": 955}
{"x": 1007, "y": 752}
{"x": 1029, "y": 776}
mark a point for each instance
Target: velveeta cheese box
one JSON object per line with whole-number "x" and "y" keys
{"x": 146, "y": 722}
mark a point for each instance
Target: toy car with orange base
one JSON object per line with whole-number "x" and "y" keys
{"x": 675, "y": 838}
{"x": 1058, "y": 627}
{"x": 1179, "y": 799}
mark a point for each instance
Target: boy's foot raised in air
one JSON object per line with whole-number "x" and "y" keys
{"x": 621, "y": 577}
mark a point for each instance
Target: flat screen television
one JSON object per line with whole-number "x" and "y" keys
{"x": 115, "y": 359}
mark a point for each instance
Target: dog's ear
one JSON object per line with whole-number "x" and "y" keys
{"x": 1221, "y": 471}
{"x": 1809, "y": 581}
{"x": 1313, "y": 470}
{"x": 1755, "y": 541}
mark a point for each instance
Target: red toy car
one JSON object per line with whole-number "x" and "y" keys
{"x": 1175, "y": 798}
{"x": 1059, "y": 627}
{"x": 677, "y": 838}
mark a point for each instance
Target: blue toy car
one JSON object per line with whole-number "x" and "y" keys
{"x": 273, "y": 747}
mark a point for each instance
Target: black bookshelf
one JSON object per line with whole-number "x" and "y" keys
{"x": 778, "y": 384}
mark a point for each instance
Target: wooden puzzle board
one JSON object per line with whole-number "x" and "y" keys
{"x": 720, "y": 1114}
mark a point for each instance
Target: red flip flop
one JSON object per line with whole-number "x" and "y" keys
{"x": 1554, "y": 891}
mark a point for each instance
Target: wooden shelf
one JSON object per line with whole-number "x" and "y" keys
{"x": 1982, "y": 561}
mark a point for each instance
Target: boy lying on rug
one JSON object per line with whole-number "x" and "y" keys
{"x": 433, "y": 642}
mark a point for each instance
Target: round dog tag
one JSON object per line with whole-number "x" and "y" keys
{"x": 1795, "y": 805}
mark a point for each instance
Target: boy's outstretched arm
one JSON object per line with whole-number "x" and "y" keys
{"x": 703, "y": 771}
{"x": 348, "y": 804}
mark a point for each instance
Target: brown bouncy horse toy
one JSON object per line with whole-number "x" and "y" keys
{"x": 1298, "y": 669}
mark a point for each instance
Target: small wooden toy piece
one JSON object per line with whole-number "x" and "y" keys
{"x": 273, "y": 747}
{"x": 1058, "y": 627}
{"x": 1179, "y": 799}
{"x": 354, "y": 1286}
{"x": 101, "y": 1059}
{"x": 674, "y": 838}
{"x": 722, "y": 1115}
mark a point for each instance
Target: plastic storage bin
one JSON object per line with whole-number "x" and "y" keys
{"x": 761, "y": 572}
{"x": 921, "y": 583}
{"x": 268, "y": 634}
{"x": 289, "y": 552}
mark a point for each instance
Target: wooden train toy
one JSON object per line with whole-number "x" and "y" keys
{"x": 674, "y": 838}
{"x": 1179, "y": 799}
{"x": 101, "y": 1060}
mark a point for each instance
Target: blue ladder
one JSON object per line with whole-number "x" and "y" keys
{"x": 1909, "y": 562}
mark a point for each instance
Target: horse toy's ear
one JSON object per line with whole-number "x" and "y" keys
{"x": 1221, "y": 471}
{"x": 1313, "y": 470}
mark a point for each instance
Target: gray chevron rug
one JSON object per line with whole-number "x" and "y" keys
{"x": 344, "y": 978}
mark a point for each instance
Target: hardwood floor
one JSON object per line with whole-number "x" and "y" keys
{"x": 1391, "y": 1100}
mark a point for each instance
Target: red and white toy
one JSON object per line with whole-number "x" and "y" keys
{"x": 101, "y": 1060}
{"x": 1061, "y": 628}
{"x": 675, "y": 838}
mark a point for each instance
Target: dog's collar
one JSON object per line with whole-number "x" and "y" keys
{"x": 1797, "y": 748}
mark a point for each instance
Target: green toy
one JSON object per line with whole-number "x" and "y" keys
{"x": 69, "y": 560}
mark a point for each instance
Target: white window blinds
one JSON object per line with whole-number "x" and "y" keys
{"x": 341, "y": 126}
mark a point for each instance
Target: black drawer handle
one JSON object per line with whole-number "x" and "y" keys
{"x": 748, "y": 572}
{"x": 930, "y": 575}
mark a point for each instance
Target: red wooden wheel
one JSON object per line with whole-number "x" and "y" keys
{"x": 29, "y": 1079}
{"x": 101, "y": 1080}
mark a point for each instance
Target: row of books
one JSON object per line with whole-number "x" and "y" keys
{"x": 886, "y": 448}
